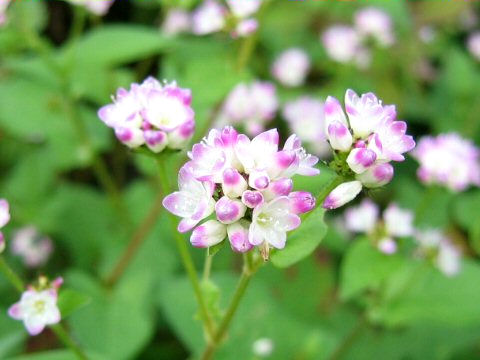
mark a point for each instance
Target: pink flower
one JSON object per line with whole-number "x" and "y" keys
{"x": 157, "y": 115}
{"x": 230, "y": 174}
{"x": 37, "y": 309}
{"x": 4, "y": 219}
{"x": 306, "y": 118}
{"x": 245, "y": 28}
{"x": 342, "y": 194}
{"x": 244, "y": 8}
{"x": 449, "y": 160}
{"x": 34, "y": 248}
{"x": 398, "y": 222}
{"x": 291, "y": 67}
{"x": 362, "y": 218}
{"x": 177, "y": 21}
{"x": 341, "y": 42}
{"x": 97, "y": 7}
{"x": 374, "y": 22}
{"x": 473, "y": 44}
{"x": 208, "y": 18}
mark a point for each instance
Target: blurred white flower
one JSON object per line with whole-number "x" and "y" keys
{"x": 263, "y": 347}
{"x": 291, "y": 67}
{"x": 176, "y": 21}
{"x": 34, "y": 248}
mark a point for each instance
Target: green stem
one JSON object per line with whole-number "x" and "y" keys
{"x": 185, "y": 254}
{"x": 207, "y": 266}
{"x": 248, "y": 271}
{"x": 327, "y": 189}
{"x": 349, "y": 339}
{"x": 58, "y": 329}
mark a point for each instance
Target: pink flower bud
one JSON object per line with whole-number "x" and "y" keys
{"x": 245, "y": 28}
{"x": 178, "y": 138}
{"x": 360, "y": 159}
{"x": 339, "y": 136}
{"x": 301, "y": 202}
{"x": 252, "y": 198}
{"x": 233, "y": 184}
{"x": 387, "y": 246}
{"x": 228, "y": 211}
{"x": 208, "y": 234}
{"x": 376, "y": 176}
{"x": 2, "y": 243}
{"x": 281, "y": 187}
{"x": 132, "y": 137}
{"x": 155, "y": 140}
{"x": 342, "y": 194}
{"x": 238, "y": 236}
{"x": 258, "y": 180}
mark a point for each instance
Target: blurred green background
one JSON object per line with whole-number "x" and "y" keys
{"x": 59, "y": 64}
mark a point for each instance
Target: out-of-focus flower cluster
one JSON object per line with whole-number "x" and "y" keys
{"x": 151, "y": 113}
{"x": 449, "y": 160}
{"x": 212, "y": 16}
{"x": 250, "y": 105}
{"x": 364, "y": 143}
{"x": 32, "y": 247}
{"x": 37, "y": 307}
{"x": 395, "y": 223}
{"x": 247, "y": 185}
{"x": 291, "y": 67}
{"x": 345, "y": 43}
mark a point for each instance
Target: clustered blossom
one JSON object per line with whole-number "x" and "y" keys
{"x": 247, "y": 185}
{"x": 365, "y": 143}
{"x": 37, "y": 307}
{"x": 97, "y": 7}
{"x": 4, "y": 219}
{"x": 291, "y": 67}
{"x": 306, "y": 118}
{"x": 395, "y": 223}
{"x": 435, "y": 246}
{"x": 153, "y": 114}
{"x": 250, "y": 104}
{"x": 449, "y": 160}
{"x": 344, "y": 43}
{"x": 473, "y": 44}
{"x": 34, "y": 248}
{"x": 211, "y": 16}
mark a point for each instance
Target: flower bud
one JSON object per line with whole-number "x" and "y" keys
{"x": 238, "y": 236}
{"x": 258, "y": 180}
{"x": 132, "y": 137}
{"x": 387, "y": 246}
{"x": 252, "y": 198}
{"x": 281, "y": 187}
{"x": 333, "y": 112}
{"x": 360, "y": 159}
{"x": 208, "y": 234}
{"x": 301, "y": 202}
{"x": 2, "y": 243}
{"x": 233, "y": 184}
{"x": 228, "y": 211}
{"x": 179, "y": 137}
{"x": 342, "y": 194}
{"x": 339, "y": 136}
{"x": 155, "y": 140}
{"x": 376, "y": 176}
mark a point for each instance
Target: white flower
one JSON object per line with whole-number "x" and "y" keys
{"x": 209, "y": 17}
{"x": 291, "y": 67}
{"x": 362, "y": 218}
{"x": 263, "y": 347}
{"x": 36, "y": 309}
{"x": 398, "y": 222}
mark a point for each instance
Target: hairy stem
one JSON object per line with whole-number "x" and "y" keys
{"x": 58, "y": 329}
{"x": 185, "y": 256}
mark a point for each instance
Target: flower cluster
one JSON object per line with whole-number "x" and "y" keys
{"x": 152, "y": 114}
{"x": 305, "y": 117}
{"x": 247, "y": 184}
{"x": 291, "y": 67}
{"x": 34, "y": 248}
{"x": 435, "y": 246}
{"x": 449, "y": 160}
{"x": 250, "y": 104}
{"x": 4, "y": 219}
{"x": 395, "y": 222}
{"x": 344, "y": 43}
{"x": 211, "y": 16}
{"x": 364, "y": 144}
{"x": 37, "y": 307}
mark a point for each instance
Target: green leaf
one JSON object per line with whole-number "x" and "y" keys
{"x": 365, "y": 267}
{"x": 70, "y": 301}
{"x": 466, "y": 205}
{"x": 302, "y": 241}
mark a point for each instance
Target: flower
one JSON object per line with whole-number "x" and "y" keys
{"x": 448, "y": 160}
{"x": 305, "y": 117}
{"x": 247, "y": 185}
{"x": 365, "y": 143}
{"x": 37, "y": 307}
{"x": 152, "y": 114}
{"x": 3, "y": 10}
{"x": 374, "y": 22}
{"x": 263, "y": 347}
{"x": 291, "y": 67}
{"x": 434, "y": 245}
{"x": 176, "y": 21}
{"x": 245, "y": 27}
{"x": 252, "y": 104}
{"x": 396, "y": 222}
{"x": 208, "y": 18}
{"x": 243, "y": 9}
{"x": 473, "y": 44}
{"x": 342, "y": 43}
{"x": 97, "y": 7}
{"x": 4, "y": 219}
{"x": 34, "y": 248}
